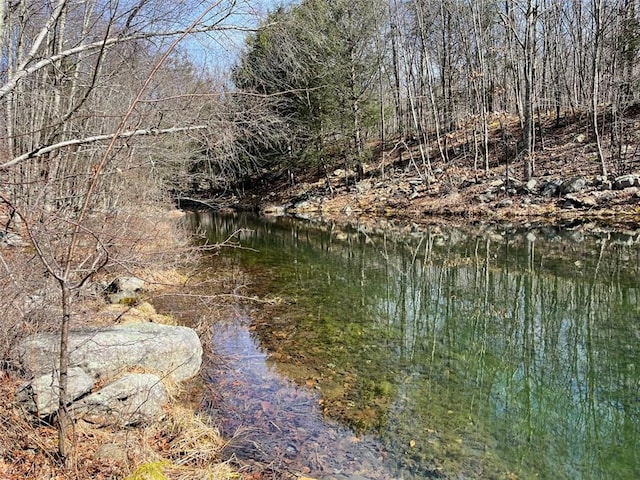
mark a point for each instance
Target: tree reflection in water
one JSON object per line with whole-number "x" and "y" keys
{"x": 483, "y": 354}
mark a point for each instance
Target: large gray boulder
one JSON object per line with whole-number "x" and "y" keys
{"x": 100, "y": 362}
{"x": 168, "y": 351}
{"x": 42, "y": 395}
{"x": 133, "y": 399}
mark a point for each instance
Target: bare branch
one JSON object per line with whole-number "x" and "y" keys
{"x": 97, "y": 138}
{"x": 25, "y": 69}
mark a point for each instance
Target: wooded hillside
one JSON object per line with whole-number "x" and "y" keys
{"x": 346, "y": 72}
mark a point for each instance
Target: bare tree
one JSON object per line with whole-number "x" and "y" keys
{"x": 84, "y": 88}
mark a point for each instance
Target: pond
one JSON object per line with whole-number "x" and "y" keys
{"x": 431, "y": 353}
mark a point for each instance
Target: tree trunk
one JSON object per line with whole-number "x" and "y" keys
{"x": 64, "y": 421}
{"x": 528, "y": 133}
{"x": 595, "y": 82}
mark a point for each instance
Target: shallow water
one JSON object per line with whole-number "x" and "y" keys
{"x": 435, "y": 353}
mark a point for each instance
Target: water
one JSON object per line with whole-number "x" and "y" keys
{"x": 438, "y": 353}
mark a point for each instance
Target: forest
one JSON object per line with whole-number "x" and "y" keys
{"x": 316, "y": 82}
{"x": 347, "y": 73}
{"x": 111, "y": 111}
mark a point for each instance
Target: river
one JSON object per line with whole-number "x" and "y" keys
{"x": 433, "y": 353}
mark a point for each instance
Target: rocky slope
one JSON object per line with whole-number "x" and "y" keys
{"x": 409, "y": 183}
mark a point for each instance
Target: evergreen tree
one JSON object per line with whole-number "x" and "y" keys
{"x": 320, "y": 59}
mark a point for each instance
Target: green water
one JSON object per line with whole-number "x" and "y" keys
{"x": 499, "y": 355}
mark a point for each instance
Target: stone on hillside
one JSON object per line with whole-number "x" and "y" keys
{"x": 589, "y": 201}
{"x": 551, "y": 189}
{"x": 128, "y": 284}
{"x": 363, "y": 186}
{"x": 111, "y": 453}
{"x": 572, "y": 185}
{"x": 506, "y": 202}
{"x": 531, "y": 185}
{"x": 486, "y": 197}
{"x": 133, "y": 399}
{"x": 11, "y": 239}
{"x": 123, "y": 298}
{"x": 169, "y": 351}
{"x": 124, "y": 290}
{"x": 626, "y": 181}
{"x": 41, "y": 395}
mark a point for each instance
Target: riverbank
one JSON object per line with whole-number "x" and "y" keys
{"x": 408, "y": 183}
{"x": 185, "y": 444}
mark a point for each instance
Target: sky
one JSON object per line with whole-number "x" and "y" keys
{"x": 218, "y": 51}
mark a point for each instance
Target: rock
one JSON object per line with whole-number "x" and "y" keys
{"x": 170, "y": 351}
{"x": 514, "y": 183}
{"x": 123, "y": 298}
{"x": 363, "y": 186}
{"x": 111, "y": 453}
{"x": 486, "y": 197}
{"x": 126, "y": 284}
{"x": 581, "y": 138}
{"x": 11, "y": 239}
{"x": 572, "y": 185}
{"x": 306, "y": 206}
{"x": 41, "y": 395}
{"x": 274, "y": 210}
{"x": 626, "y": 181}
{"x": 507, "y": 202}
{"x": 125, "y": 290}
{"x": 582, "y": 200}
{"x": 133, "y": 399}
{"x": 551, "y": 189}
{"x": 531, "y": 185}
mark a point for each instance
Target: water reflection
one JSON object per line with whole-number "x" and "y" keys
{"x": 495, "y": 355}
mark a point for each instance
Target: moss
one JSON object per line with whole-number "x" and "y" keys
{"x": 149, "y": 471}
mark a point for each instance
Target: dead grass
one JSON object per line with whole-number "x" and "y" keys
{"x": 185, "y": 445}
